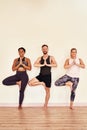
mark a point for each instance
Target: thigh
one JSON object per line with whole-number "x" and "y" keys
{"x": 62, "y": 80}
{"x": 39, "y": 78}
{"x": 34, "y": 80}
{"x": 11, "y": 80}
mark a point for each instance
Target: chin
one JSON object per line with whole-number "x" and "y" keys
{"x": 45, "y": 53}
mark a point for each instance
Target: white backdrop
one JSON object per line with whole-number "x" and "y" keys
{"x": 61, "y": 24}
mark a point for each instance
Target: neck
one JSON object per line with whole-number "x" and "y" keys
{"x": 45, "y": 55}
{"x": 21, "y": 57}
{"x": 73, "y": 57}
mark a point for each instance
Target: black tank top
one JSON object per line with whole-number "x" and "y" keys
{"x": 23, "y": 61}
{"x": 45, "y": 70}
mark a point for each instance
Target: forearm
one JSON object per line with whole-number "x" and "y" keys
{"x": 27, "y": 67}
{"x": 68, "y": 66}
{"x": 51, "y": 65}
{"x": 81, "y": 65}
{"x": 15, "y": 68}
{"x": 38, "y": 65}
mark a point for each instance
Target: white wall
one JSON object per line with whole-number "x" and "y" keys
{"x": 62, "y": 24}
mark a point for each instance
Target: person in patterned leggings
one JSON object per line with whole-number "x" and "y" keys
{"x": 71, "y": 78}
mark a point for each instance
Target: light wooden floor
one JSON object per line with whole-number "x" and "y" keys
{"x": 35, "y": 118}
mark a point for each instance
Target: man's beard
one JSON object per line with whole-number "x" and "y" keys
{"x": 45, "y": 52}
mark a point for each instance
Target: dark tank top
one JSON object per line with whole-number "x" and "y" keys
{"x": 23, "y": 61}
{"x": 45, "y": 70}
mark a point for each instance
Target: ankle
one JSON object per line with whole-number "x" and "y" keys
{"x": 19, "y": 107}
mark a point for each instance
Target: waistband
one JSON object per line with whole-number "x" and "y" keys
{"x": 20, "y": 72}
{"x": 45, "y": 74}
{"x": 72, "y": 77}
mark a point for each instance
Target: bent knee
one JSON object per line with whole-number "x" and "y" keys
{"x": 56, "y": 83}
{"x": 4, "y": 82}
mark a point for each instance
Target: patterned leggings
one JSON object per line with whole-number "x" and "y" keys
{"x": 62, "y": 82}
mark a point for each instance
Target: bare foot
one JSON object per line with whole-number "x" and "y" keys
{"x": 69, "y": 83}
{"x": 71, "y": 105}
{"x": 43, "y": 84}
{"x": 45, "y": 106}
{"x": 71, "y": 108}
{"x": 19, "y": 107}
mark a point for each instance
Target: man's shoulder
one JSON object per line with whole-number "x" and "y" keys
{"x": 51, "y": 56}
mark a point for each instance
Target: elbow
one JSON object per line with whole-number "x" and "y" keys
{"x": 65, "y": 67}
{"x": 56, "y": 65}
{"x": 30, "y": 68}
{"x": 13, "y": 69}
{"x": 84, "y": 67}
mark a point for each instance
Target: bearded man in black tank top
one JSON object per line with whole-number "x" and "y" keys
{"x": 20, "y": 65}
{"x": 45, "y": 63}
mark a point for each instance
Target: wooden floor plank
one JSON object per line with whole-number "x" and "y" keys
{"x": 36, "y": 118}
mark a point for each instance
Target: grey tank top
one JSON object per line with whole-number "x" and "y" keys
{"x": 23, "y": 61}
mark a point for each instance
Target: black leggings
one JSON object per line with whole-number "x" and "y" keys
{"x": 62, "y": 82}
{"x": 19, "y": 76}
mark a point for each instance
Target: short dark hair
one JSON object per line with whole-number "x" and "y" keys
{"x": 44, "y": 45}
{"x": 22, "y": 49}
{"x": 73, "y": 49}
